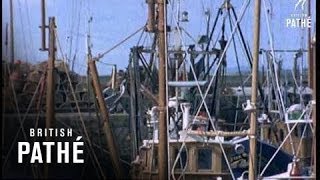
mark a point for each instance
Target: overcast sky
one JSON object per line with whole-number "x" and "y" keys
{"x": 113, "y": 20}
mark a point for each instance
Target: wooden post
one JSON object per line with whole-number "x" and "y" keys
{"x": 133, "y": 102}
{"x": 114, "y": 152}
{"x": 314, "y": 112}
{"x": 50, "y": 75}
{"x": 310, "y": 49}
{"x": 50, "y": 119}
{"x": 163, "y": 136}
{"x": 253, "y": 118}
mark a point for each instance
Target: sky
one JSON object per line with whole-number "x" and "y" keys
{"x": 114, "y": 20}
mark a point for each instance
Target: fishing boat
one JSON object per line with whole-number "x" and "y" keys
{"x": 200, "y": 143}
{"x": 187, "y": 116}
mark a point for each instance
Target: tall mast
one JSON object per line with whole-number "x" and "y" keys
{"x": 312, "y": 85}
{"x": 253, "y": 120}
{"x": 50, "y": 116}
{"x": 50, "y": 74}
{"x": 314, "y": 118}
{"x": 11, "y": 33}
{"x": 310, "y": 49}
{"x": 163, "y": 137}
{"x": 112, "y": 146}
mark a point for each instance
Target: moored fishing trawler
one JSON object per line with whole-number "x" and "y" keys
{"x": 192, "y": 104}
{"x": 200, "y": 142}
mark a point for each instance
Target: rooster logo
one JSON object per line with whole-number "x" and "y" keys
{"x": 300, "y": 2}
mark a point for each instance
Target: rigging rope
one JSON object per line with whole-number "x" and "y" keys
{"x": 30, "y": 34}
{"x": 23, "y": 32}
{"x": 237, "y": 58}
{"x": 284, "y": 140}
{"x": 21, "y": 121}
{"x": 167, "y": 79}
{"x": 273, "y": 57}
{"x": 77, "y": 37}
{"x": 118, "y": 44}
{"x": 77, "y": 105}
{"x": 94, "y": 144}
{"x": 245, "y": 5}
{"x": 275, "y": 71}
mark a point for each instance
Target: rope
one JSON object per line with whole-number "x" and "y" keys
{"x": 94, "y": 144}
{"x": 279, "y": 148}
{"x": 29, "y": 24}
{"x": 189, "y": 35}
{"x": 118, "y": 44}
{"x": 167, "y": 93}
{"x": 23, "y": 32}
{"x": 77, "y": 38}
{"x": 183, "y": 145}
{"x": 275, "y": 71}
{"x": 206, "y": 93}
{"x": 167, "y": 79}
{"x": 42, "y": 83}
{"x": 141, "y": 35}
{"x": 77, "y": 105}
{"x": 21, "y": 121}
{"x": 273, "y": 54}
{"x": 294, "y": 79}
{"x": 236, "y": 54}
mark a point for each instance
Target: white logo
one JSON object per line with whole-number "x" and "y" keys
{"x": 300, "y": 2}
{"x": 297, "y": 19}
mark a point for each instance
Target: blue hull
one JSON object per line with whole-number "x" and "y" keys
{"x": 278, "y": 164}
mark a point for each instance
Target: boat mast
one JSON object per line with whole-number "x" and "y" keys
{"x": 50, "y": 91}
{"x": 310, "y": 50}
{"x": 50, "y": 74}
{"x": 96, "y": 85}
{"x": 253, "y": 119}
{"x": 50, "y": 119}
{"x": 312, "y": 85}
{"x": 11, "y": 33}
{"x": 314, "y": 113}
{"x": 163, "y": 136}
{"x": 51, "y": 61}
